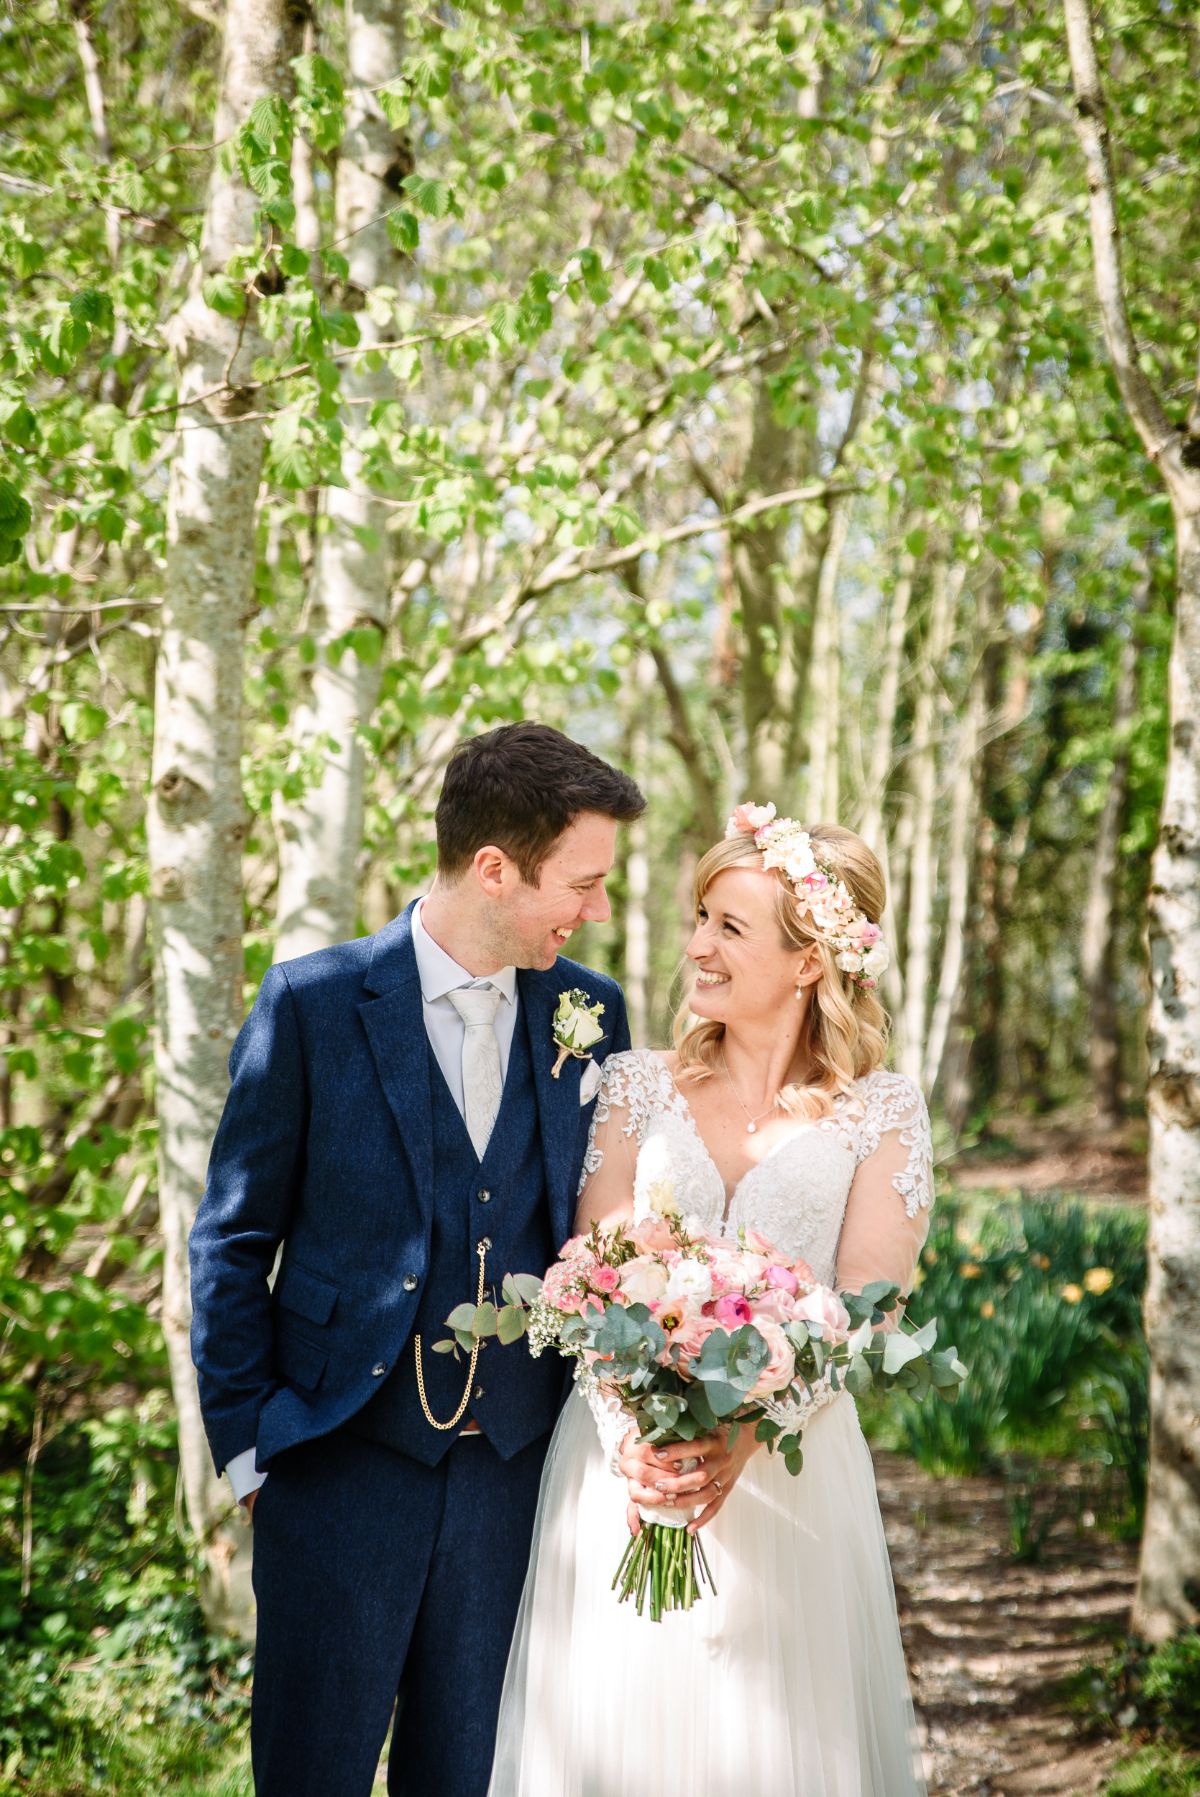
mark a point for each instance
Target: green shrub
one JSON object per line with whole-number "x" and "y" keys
{"x": 1155, "y": 1772}
{"x": 1043, "y": 1302}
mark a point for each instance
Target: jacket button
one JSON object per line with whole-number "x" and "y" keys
{"x": 411, "y": 1282}
{"x": 478, "y": 1392}
{"x": 483, "y": 1195}
{"x": 379, "y": 1369}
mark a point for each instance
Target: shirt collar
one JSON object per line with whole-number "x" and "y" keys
{"x": 439, "y": 973}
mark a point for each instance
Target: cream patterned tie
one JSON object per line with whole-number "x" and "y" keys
{"x": 482, "y": 1079}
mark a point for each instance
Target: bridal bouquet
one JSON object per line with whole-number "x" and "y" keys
{"x": 691, "y": 1334}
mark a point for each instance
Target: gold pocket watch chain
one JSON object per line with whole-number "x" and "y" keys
{"x": 481, "y": 1249}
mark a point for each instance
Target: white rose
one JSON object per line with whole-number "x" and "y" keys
{"x": 690, "y": 1283}
{"x": 876, "y": 960}
{"x": 582, "y": 1030}
{"x": 643, "y": 1280}
{"x": 654, "y": 1198}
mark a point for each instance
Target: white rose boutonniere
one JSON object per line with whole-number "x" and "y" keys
{"x": 576, "y": 1027}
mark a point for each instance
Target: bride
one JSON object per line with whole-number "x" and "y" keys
{"x": 774, "y": 1113}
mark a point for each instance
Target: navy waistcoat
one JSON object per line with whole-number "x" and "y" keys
{"x": 514, "y": 1398}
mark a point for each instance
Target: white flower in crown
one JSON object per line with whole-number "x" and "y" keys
{"x": 576, "y": 1027}
{"x": 822, "y": 898}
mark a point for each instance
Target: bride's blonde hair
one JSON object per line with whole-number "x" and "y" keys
{"x": 845, "y": 1027}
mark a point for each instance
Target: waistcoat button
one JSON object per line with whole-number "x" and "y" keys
{"x": 411, "y": 1282}
{"x": 483, "y": 1195}
{"x": 379, "y": 1369}
{"x": 478, "y": 1392}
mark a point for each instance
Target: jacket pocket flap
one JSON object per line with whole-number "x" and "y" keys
{"x": 306, "y": 1293}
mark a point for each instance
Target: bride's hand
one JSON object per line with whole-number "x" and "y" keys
{"x": 654, "y": 1476}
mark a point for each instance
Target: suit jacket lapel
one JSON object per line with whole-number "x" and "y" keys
{"x": 557, "y": 1099}
{"x": 396, "y": 1033}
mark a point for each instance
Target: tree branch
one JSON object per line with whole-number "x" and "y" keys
{"x": 1091, "y": 128}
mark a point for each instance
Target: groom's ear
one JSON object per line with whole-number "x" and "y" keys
{"x": 493, "y": 869}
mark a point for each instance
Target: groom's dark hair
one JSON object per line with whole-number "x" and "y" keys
{"x": 520, "y": 787}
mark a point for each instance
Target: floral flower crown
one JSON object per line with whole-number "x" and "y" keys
{"x": 821, "y": 897}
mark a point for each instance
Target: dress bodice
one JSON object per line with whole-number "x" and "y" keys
{"x": 797, "y": 1194}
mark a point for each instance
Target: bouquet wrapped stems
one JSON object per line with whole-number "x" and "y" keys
{"x": 666, "y": 1563}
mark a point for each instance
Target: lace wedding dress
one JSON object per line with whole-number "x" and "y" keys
{"x": 789, "y": 1681}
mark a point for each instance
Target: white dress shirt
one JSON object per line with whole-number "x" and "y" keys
{"x": 439, "y": 974}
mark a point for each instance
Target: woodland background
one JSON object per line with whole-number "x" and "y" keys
{"x": 790, "y": 402}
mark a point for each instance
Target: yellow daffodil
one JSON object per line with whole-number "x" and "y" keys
{"x": 969, "y": 1270}
{"x": 987, "y": 1309}
{"x": 1071, "y": 1294}
{"x": 1098, "y": 1279}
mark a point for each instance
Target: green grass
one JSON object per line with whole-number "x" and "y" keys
{"x": 1156, "y": 1772}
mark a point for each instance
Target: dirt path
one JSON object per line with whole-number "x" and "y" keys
{"x": 986, "y": 1637}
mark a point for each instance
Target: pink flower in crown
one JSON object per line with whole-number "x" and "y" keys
{"x": 732, "y": 1311}
{"x": 871, "y": 933}
{"x": 748, "y": 819}
{"x": 780, "y": 1369}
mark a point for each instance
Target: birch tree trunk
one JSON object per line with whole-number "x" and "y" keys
{"x": 320, "y": 834}
{"x": 196, "y": 818}
{"x": 1169, "y": 1572}
{"x": 824, "y": 762}
{"x": 1097, "y": 949}
{"x": 946, "y": 585}
{"x": 964, "y": 803}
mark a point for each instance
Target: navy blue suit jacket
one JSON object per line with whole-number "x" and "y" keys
{"x": 326, "y": 1145}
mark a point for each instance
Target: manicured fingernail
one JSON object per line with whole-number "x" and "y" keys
{"x": 659, "y": 1486}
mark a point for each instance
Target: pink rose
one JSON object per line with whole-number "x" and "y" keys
{"x": 776, "y": 1305}
{"x": 784, "y": 1277}
{"x": 824, "y": 1307}
{"x": 690, "y": 1337}
{"x": 732, "y": 1310}
{"x": 780, "y": 1369}
{"x": 604, "y": 1278}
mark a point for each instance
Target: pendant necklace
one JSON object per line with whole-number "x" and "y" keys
{"x": 752, "y": 1123}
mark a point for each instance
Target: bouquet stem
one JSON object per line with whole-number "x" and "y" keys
{"x": 666, "y": 1563}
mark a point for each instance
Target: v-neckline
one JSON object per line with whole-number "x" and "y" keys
{"x": 729, "y": 1193}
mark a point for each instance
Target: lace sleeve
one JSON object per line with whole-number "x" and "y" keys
{"x": 887, "y": 1211}
{"x": 626, "y": 1099}
{"x": 613, "y": 1422}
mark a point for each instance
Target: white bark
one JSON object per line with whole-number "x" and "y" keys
{"x": 320, "y": 834}
{"x": 946, "y": 584}
{"x": 960, "y": 847}
{"x": 1097, "y": 958}
{"x": 196, "y": 818}
{"x": 1169, "y": 1572}
{"x": 824, "y": 797}
{"x": 637, "y": 865}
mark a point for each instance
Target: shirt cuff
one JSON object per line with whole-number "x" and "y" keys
{"x": 244, "y": 1475}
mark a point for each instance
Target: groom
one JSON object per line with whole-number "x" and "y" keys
{"x": 393, "y": 1122}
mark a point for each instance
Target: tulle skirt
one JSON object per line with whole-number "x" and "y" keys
{"x": 788, "y": 1682}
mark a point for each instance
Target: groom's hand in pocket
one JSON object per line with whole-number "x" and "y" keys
{"x": 250, "y": 1499}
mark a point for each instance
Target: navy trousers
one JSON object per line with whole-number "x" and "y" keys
{"x": 381, "y": 1582}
